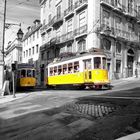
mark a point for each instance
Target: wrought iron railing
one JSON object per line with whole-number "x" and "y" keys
{"x": 69, "y": 10}
{"x": 119, "y": 33}
{"x": 80, "y": 2}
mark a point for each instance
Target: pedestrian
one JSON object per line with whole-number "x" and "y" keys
{"x": 7, "y": 78}
{"x": 136, "y": 73}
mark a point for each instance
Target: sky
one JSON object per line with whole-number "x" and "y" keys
{"x": 20, "y": 11}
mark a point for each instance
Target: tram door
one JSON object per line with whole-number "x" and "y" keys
{"x": 87, "y": 70}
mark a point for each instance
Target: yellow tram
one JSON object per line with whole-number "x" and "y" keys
{"x": 25, "y": 77}
{"x": 89, "y": 69}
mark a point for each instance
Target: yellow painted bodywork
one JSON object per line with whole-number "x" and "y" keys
{"x": 98, "y": 76}
{"x": 27, "y": 82}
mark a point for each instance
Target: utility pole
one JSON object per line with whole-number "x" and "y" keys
{"x": 2, "y": 39}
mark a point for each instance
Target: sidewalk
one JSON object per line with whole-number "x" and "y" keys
{"x": 9, "y": 98}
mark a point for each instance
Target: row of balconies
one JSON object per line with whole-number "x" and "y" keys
{"x": 69, "y": 36}
{"x": 119, "y": 33}
{"x": 127, "y": 11}
{"x": 59, "y": 18}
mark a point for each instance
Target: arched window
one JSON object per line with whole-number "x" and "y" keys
{"x": 118, "y": 47}
{"x": 130, "y": 52}
{"x": 106, "y": 44}
{"x": 81, "y": 45}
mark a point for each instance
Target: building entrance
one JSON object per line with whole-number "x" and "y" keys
{"x": 130, "y": 61}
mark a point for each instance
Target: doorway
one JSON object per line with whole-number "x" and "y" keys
{"x": 130, "y": 61}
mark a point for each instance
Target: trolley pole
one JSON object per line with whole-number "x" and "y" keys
{"x": 13, "y": 77}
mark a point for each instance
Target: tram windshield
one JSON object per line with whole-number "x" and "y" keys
{"x": 23, "y": 73}
{"x": 29, "y": 73}
{"x": 97, "y": 62}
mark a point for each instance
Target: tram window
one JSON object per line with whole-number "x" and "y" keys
{"x": 104, "y": 63}
{"x": 55, "y": 71}
{"x": 51, "y": 71}
{"x": 59, "y": 70}
{"x": 29, "y": 73}
{"x": 97, "y": 63}
{"x": 23, "y": 73}
{"x": 87, "y": 64}
{"x": 76, "y": 66}
{"x": 65, "y": 69}
{"x": 70, "y": 68}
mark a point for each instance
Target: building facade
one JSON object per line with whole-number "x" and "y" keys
{"x": 77, "y": 26}
{"x": 13, "y": 52}
{"x": 31, "y": 43}
{"x": 31, "y": 46}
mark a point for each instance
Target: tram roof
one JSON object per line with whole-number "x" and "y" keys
{"x": 76, "y": 56}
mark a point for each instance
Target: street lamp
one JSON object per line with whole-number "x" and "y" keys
{"x": 20, "y": 34}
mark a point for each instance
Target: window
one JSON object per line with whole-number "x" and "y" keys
{"x": 97, "y": 63}
{"x": 44, "y": 21}
{"x": 69, "y": 26}
{"x": 118, "y": 66}
{"x": 138, "y": 12}
{"x": 37, "y": 48}
{"x": 118, "y": 47}
{"x": 131, "y": 26}
{"x": 26, "y": 53}
{"x": 29, "y": 73}
{"x": 87, "y": 64}
{"x": 38, "y": 34}
{"x": 42, "y": 56}
{"x": 70, "y": 3}
{"x": 23, "y": 73}
{"x": 70, "y": 68}
{"x": 81, "y": 45}
{"x": 106, "y": 44}
{"x": 104, "y": 63}
{"x": 49, "y": 18}
{"x": 65, "y": 69}
{"x": 50, "y": 3}
{"x": 118, "y": 22}
{"x": 29, "y": 52}
{"x": 33, "y": 50}
{"x": 76, "y": 66}
{"x": 82, "y": 19}
{"x": 33, "y": 36}
{"x": 106, "y": 17}
{"x": 130, "y": 6}
{"x": 58, "y": 12}
{"x": 69, "y": 47}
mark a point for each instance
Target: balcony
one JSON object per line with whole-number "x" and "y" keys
{"x": 57, "y": 20}
{"x": 46, "y": 27}
{"x": 107, "y": 3}
{"x": 81, "y": 31}
{"x": 131, "y": 12}
{"x": 126, "y": 35}
{"x": 65, "y": 38}
{"x": 80, "y": 4}
{"x": 69, "y": 12}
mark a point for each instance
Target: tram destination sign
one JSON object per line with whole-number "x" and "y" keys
{"x": 25, "y": 65}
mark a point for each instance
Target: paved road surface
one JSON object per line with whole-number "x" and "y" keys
{"x": 74, "y": 111}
